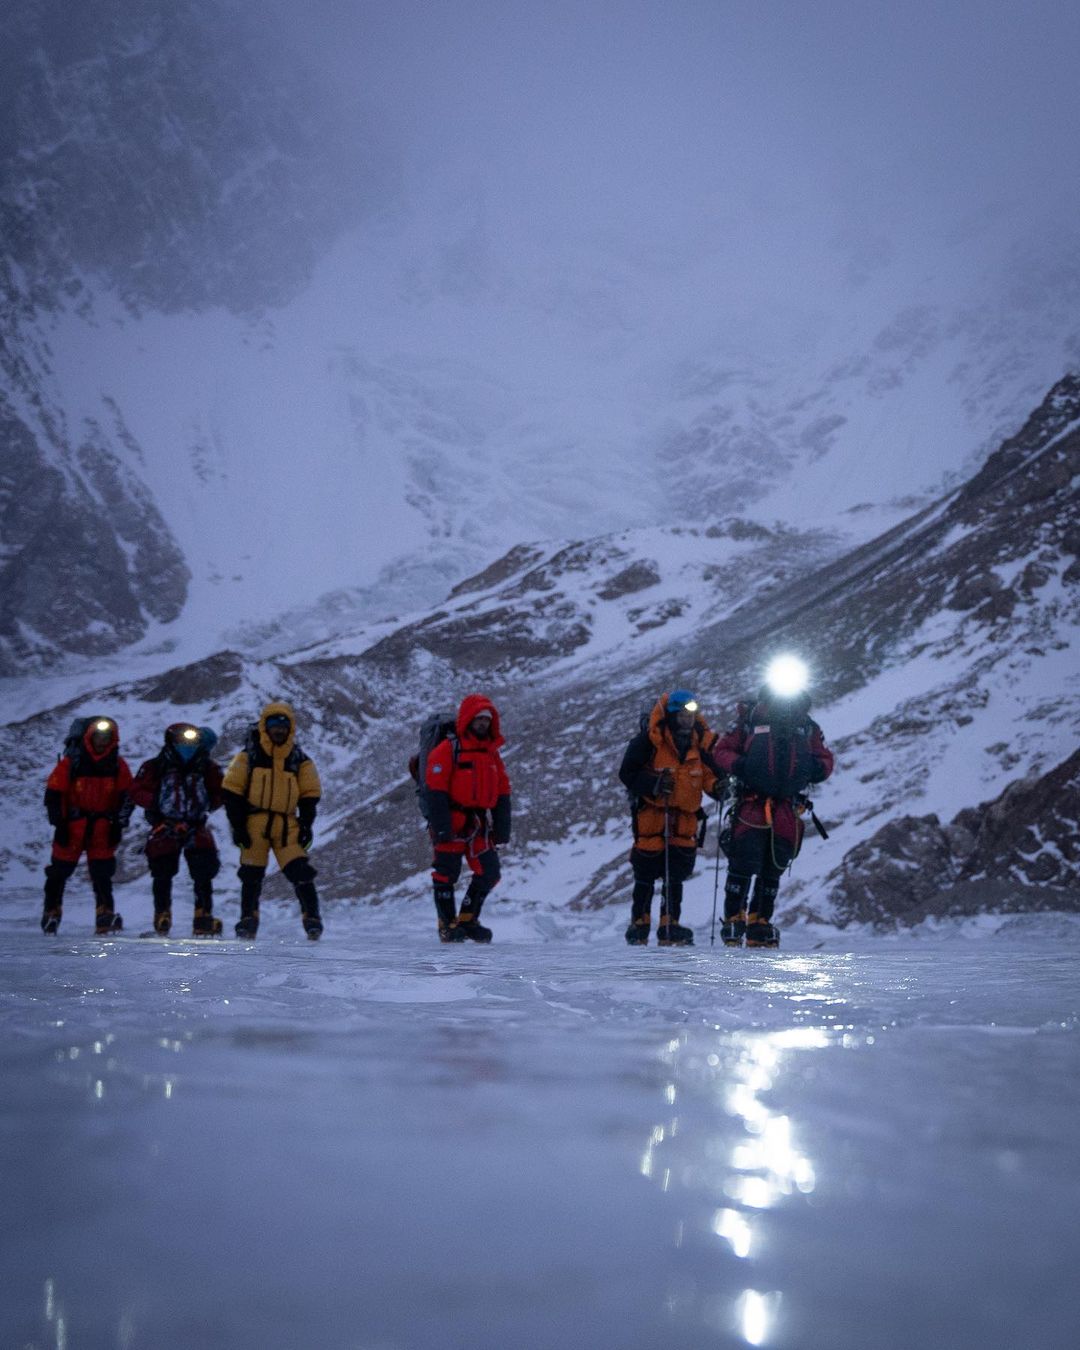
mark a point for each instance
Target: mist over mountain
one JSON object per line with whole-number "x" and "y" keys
{"x": 412, "y": 347}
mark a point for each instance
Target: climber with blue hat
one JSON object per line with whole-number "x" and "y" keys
{"x": 666, "y": 772}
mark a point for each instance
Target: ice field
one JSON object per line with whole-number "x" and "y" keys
{"x": 381, "y": 1143}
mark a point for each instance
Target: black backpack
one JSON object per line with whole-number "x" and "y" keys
{"x": 74, "y": 745}
{"x": 778, "y": 760}
{"x": 434, "y": 730}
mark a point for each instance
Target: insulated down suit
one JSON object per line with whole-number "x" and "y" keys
{"x": 271, "y": 794}
{"x": 87, "y": 798}
{"x": 776, "y": 751}
{"x": 178, "y": 792}
{"x": 468, "y": 794}
{"x": 659, "y": 754}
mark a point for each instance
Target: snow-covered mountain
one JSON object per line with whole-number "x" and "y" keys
{"x": 944, "y": 662}
{"x": 231, "y": 308}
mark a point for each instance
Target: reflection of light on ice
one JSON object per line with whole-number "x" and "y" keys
{"x": 759, "y": 1171}
{"x": 730, "y": 1224}
{"x": 755, "y": 1314}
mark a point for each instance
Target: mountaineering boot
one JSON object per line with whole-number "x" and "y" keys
{"x": 468, "y": 921}
{"x": 248, "y": 924}
{"x": 468, "y": 927}
{"x": 674, "y": 935}
{"x": 761, "y": 933}
{"x": 251, "y": 880}
{"x": 447, "y": 913}
{"x": 50, "y": 921}
{"x": 162, "y": 922}
{"x": 204, "y": 924}
{"x": 671, "y": 933}
{"x": 107, "y": 921}
{"x": 733, "y": 929}
{"x": 309, "y": 910}
{"x": 637, "y": 935}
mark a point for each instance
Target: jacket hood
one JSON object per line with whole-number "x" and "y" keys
{"x": 471, "y": 704}
{"x": 277, "y": 708}
{"x": 658, "y": 723}
{"x": 88, "y": 743}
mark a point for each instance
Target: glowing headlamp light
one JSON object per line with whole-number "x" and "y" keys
{"x": 189, "y": 735}
{"x": 787, "y": 676}
{"x": 692, "y": 706}
{"x": 103, "y": 725}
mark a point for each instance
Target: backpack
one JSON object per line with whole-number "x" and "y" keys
{"x": 778, "y": 760}
{"x": 74, "y": 746}
{"x": 435, "y": 729}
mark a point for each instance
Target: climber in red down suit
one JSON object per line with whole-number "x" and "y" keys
{"x": 468, "y": 796}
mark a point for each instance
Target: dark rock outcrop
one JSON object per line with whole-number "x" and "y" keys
{"x": 1019, "y": 852}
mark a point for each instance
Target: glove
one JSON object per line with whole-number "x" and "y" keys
{"x": 304, "y": 835}
{"x": 241, "y": 837}
{"x": 717, "y": 792}
{"x": 116, "y": 833}
{"x": 665, "y": 783}
{"x": 62, "y": 835}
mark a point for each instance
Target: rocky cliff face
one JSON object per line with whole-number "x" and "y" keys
{"x": 1018, "y": 852}
{"x": 169, "y": 151}
{"x": 168, "y": 156}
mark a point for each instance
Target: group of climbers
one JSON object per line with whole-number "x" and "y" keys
{"x": 270, "y": 793}
{"x": 762, "y": 766}
{"x": 772, "y": 752}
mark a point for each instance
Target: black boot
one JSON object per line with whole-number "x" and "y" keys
{"x": 309, "y": 910}
{"x": 467, "y": 920}
{"x": 205, "y": 924}
{"x": 162, "y": 886}
{"x": 736, "y": 889}
{"x": 446, "y": 911}
{"x": 670, "y": 932}
{"x": 251, "y": 880}
{"x": 56, "y": 876}
{"x": 760, "y": 932}
{"x": 637, "y": 935}
{"x": 302, "y": 875}
{"x": 102, "y": 871}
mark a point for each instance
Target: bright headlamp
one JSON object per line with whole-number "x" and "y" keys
{"x": 787, "y": 676}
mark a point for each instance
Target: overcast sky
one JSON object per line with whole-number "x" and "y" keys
{"x": 626, "y": 112}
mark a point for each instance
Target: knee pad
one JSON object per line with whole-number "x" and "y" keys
{"x": 299, "y": 870}
{"x": 248, "y": 872}
{"x": 101, "y": 869}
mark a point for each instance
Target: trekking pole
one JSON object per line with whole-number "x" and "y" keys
{"x": 716, "y": 880}
{"x": 667, "y": 860}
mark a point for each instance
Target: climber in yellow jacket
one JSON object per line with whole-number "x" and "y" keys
{"x": 271, "y": 793}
